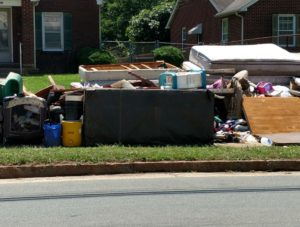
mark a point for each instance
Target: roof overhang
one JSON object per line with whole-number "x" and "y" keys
{"x": 171, "y": 18}
{"x": 233, "y": 10}
{"x": 197, "y": 30}
{"x": 10, "y": 3}
{"x": 220, "y": 5}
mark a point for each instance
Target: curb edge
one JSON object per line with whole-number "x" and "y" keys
{"x": 142, "y": 167}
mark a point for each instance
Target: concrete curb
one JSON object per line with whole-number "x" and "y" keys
{"x": 142, "y": 167}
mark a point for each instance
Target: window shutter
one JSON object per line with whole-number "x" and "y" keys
{"x": 275, "y": 39}
{"x": 298, "y": 30}
{"x": 68, "y": 31}
{"x": 38, "y": 31}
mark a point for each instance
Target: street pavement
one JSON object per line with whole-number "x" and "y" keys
{"x": 168, "y": 199}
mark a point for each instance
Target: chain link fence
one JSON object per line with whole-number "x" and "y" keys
{"x": 126, "y": 51}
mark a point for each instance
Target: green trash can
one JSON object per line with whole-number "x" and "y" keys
{"x": 13, "y": 84}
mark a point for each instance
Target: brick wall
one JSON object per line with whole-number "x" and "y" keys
{"x": 27, "y": 31}
{"x": 191, "y": 13}
{"x": 234, "y": 33}
{"x": 85, "y": 33}
{"x": 257, "y": 20}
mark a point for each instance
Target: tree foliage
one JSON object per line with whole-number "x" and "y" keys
{"x": 116, "y": 15}
{"x": 150, "y": 24}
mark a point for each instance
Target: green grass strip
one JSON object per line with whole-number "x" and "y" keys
{"x": 37, "y": 82}
{"x": 105, "y": 154}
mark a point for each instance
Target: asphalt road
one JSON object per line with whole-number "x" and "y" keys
{"x": 194, "y": 199}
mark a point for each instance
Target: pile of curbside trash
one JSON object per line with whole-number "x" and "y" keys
{"x": 264, "y": 104}
{"x": 208, "y": 100}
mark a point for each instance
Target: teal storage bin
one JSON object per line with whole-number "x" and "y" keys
{"x": 167, "y": 80}
{"x": 183, "y": 80}
{"x": 11, "y": 85}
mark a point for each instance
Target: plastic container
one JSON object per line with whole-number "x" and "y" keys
{"x": 55, "y": 113}
{"x": 182, "y": 80}
{"x": 266, "y": 141}
{"x": 73, "y": 107}
{"x": 12, "y": 85}
{"x": 71, "y": 133}
{"x": 52, "y": 134}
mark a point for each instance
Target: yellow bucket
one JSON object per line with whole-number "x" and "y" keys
{"x": 71, "y": 133}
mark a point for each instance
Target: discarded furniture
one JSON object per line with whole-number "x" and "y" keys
{"x": 295, "y": 86}
{"x": 148, "y": 117}
{"x": 274, "y": 115}
{"x": 23, "y": 119}
{"x": 148, "y": 70}
{"x": 261, "y": 60}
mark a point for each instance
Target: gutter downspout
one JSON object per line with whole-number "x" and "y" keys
{"x": 242, "y": 27}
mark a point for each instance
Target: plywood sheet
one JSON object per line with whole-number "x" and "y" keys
{"x": 283, "y": 138}
{"x": 271, "y": 115}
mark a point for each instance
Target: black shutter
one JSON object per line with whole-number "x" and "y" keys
{"x": 38, "y": 31}
{"x": 275, "y": 38}
{"x": 297, "y": 30}
{"x": 68, "y": 31}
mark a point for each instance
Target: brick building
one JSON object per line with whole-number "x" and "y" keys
{"x": 47, "y": 33}
{"x": 236, "y": 22}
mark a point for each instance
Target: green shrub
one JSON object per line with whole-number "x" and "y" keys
{"x": 93, "y": 56}
{"x": 169, "y": 54}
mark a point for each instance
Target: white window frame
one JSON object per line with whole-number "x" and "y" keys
{"x": 294, "y": 29}
{"x": 61, "y": 15}
{"x": 225, "y": 34}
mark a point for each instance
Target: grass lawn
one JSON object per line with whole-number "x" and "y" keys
{"x": 37, "y": 82}
{"x": 104, "y": 154}
{"x": 39, "y": 155}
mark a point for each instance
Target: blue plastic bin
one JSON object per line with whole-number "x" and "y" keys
{"x": 52, "y": 134}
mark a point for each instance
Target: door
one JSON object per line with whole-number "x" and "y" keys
{"x": 5, "y": 36}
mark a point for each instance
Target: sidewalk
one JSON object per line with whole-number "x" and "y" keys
{"x": 142, "y": 167}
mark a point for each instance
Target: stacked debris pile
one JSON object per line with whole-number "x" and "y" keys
{"x": 232, "y": 120}
{"x": 22, "y": 113}
{"x": 152, "y": 103}
{"x": 63, "y": 124}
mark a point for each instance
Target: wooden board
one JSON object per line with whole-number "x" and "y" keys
{"x": 283, "y": 138}
{"x": 115, "y": 72}
{"x": 130, "y": 66}
{"x": 271, "y": 115}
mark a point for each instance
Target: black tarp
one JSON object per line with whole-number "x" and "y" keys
{"x": 148, "y": 117}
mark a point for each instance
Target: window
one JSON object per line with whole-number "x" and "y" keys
{"x": 52, "y": 31}
{"x": 225, "y": 26}
{"x": 286, "y": 30}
